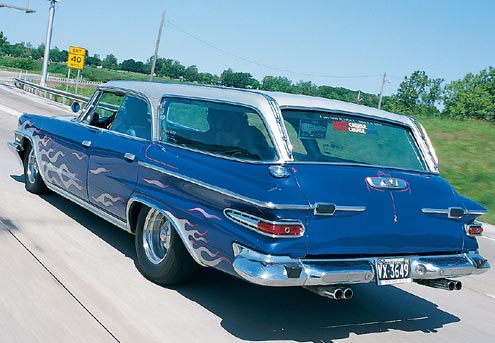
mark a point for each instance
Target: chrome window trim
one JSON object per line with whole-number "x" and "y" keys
{"x": 361, "y": 165}
{"x": 250, "y": 222}
{"x": 225, "y": 192}
{"x": 125, "y": 91}
{"x": 225, "y": 157}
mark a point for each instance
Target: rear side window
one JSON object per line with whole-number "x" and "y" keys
{"x": 223, "y": 129}
{"x": 328, "y": 137}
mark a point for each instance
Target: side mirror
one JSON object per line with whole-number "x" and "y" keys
{"x": 75, "y": 106}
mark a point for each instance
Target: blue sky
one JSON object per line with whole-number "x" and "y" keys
{"x": 345, "y": 43}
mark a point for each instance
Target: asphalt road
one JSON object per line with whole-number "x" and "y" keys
{"x": 68, "y": 276}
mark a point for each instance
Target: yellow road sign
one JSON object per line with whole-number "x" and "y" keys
{"x": 75, "y": 60}
{"x": 77, "y": 50}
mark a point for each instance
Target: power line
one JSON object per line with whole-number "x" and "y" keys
{"x": 265, "y": 65}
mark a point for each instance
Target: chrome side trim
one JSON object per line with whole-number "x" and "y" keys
{"x": 90, "y": 207}
{"x": 324, "y": 209}
{"x": 225, "y": 192}
{"x": 251, "y": 222}
{"x": 448, "y": 212}
{"x": 273, "y": 270}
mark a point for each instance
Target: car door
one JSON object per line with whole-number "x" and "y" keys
{"x": 64, "y": 155}
{"x": 113, "y": 165}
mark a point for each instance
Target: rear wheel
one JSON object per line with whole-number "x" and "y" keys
{"x": 32, "y": 177}
{"x": 161, "y": 254}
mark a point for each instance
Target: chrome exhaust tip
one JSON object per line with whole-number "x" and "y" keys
{"x": 348, "y": 293}
{"x": 449, "y": 285}
{"x": 332, "y": 292}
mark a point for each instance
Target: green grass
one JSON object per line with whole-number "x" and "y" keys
{"x": 466, "y": 150}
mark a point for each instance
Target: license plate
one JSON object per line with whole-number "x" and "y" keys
{"x": 391, "y": 271}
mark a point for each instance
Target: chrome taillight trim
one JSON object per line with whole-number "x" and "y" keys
{"x": 251, "y": 222}
{"x": 476, "y": 223}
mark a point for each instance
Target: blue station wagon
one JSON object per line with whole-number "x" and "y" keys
{"x": 276, "y": 189}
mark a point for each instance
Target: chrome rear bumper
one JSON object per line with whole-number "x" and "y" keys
{"x": 269, "y": 270}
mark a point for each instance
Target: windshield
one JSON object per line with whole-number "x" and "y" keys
{"x": 336, "y": 138}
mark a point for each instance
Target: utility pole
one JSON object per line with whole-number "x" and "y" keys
{"x": 48, "y": 42}
{"x": 157, "y": 47}
{"x": 381, "y": 90}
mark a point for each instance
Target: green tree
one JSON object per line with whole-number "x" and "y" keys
{"x": 93, "y": 60}
{"x": 191, "y": 73}
{"x": 473, "y": 97}
{"x": 4, "y": 44}
{"x": 276, "y": 84}
{"x": 171, "y": 68}
{"x": 110, "y": 62}
{"x": 306, "y": 88}
{"x": 230, "y": 78}
{"x": 418, "y": 94}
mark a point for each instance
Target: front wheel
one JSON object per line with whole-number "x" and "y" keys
{"x": 32, "y": 177}
{"x": 161, "y": 255}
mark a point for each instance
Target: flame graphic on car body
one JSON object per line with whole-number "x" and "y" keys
{"x": 204, "y": 213}
{"x": 61, "y": 174}
{"x": 79, "y": 157}
{"x": 99, "y": 171}
{"x": 108, "y": 200}
{"x": 196, "y": 242}
{"x": 155, "y": 183}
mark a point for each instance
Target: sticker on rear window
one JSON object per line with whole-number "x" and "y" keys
{"x": 309, "y": 128}
{"x": 350, "y": 127}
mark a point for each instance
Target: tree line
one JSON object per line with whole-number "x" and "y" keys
{"x": 473, "y": 97}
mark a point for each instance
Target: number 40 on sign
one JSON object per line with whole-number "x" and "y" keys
{"x": 75, "y": 59}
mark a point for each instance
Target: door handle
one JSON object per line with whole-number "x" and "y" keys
{"x": 86, "y": 144}
{"x": 129, "y": 157}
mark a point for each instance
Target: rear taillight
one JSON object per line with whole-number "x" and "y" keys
{"x": 474, "y": 229}
{"x": 280, "y": 228}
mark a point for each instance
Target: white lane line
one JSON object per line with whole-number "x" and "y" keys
{"x": 10, "y": 111}
{"x": 490, "y": 238}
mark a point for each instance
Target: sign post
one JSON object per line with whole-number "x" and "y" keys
{"x": 75, "y": 60}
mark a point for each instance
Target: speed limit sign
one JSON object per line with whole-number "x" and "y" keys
{"x": 75, "y": 58}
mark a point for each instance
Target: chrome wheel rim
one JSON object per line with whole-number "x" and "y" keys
{"x": 32, "y": 167}
{"x": 157, "y": 231}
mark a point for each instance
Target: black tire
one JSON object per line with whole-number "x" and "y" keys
{"x": 162, "y": 257}
{"x": 32, "y": 177}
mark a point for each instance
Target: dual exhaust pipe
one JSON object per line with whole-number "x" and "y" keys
{"x": 332, "y": 292}
{"x": 345, "y": 293}
{"x": 449, "y": 285}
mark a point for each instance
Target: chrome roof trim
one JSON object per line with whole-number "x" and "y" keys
{"x": 226, "y": 192}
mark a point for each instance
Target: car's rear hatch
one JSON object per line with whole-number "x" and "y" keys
{"x": 368, "y": 211}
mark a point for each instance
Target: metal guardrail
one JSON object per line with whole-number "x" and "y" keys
{"x": 48, "y": 92}
{"x": 29, "y": 77}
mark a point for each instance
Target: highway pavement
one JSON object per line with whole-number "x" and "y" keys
{"x": 68, "y": 276}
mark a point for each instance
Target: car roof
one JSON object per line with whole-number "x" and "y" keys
{"x": 156, "y": 90}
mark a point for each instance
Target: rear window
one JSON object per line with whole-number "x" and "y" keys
{"x": 334, "y": 138}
